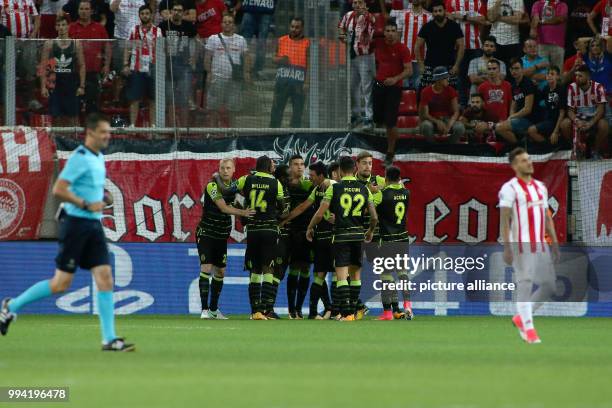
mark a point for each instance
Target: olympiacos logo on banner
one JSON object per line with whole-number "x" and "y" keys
{"x": 12, "y": 207}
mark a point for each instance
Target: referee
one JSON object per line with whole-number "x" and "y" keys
{"x": 82, "y": 243}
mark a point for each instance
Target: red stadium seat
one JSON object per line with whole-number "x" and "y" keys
{"x": 405, "y": 122}
{"x": 408, "y": 104}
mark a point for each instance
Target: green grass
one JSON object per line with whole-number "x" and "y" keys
{"x": 182, "y": 361}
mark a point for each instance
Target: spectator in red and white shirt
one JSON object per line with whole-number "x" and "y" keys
{"x": 49, "y": 10}
{"x": 409, "y": 23}
{"x": 586, "y": 103}
{"x": 496, "y": 92}
{"x": 21, "y": 17}
{"x": 603, "y": 9}
{"x": 471, "y": 17}
{"x": 357, "y": 30}
{"x": 439, "y": 108}
{"x": 138, "y": 61}
{"x": 548, "y": 22}
{"x": 97, "y": 53}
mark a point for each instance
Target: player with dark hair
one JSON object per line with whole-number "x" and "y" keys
{"x": 323, "y": 258}
{"x": 392, "y": 207}
{"x": 264, "y": 194}
{"x": 347, "y": 200}
{"x": 212, "y": 234}
{"x": 333, "y": 172}
{"x": 301, "y": 250}
{"x": 80, "y": 186}
{"x": 283, "y": 246}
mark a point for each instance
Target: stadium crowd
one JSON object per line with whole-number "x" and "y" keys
{"x": 471, "y": 70}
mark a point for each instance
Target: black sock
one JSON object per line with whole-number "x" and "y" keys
{"x": 344, "y": 298}
{"x": 267, "y": 292}
{"x": 334, "y": 298}
{"x": 215, "y": 291}
{"x": 395, "y": 307}
{"x": 303, "y": 285}
{"x": 315, "y": 295}
{"x": 292, "y": 283}
{"x": 324, "y": 295}
{"x": 204, "y": 286}
{"x": 355, "y": 289}
{"x": 255, "y": 292}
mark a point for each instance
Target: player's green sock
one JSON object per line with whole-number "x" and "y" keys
{"x": 255, "y": 291}
{"x": 404, "y": 278}
{"x": 267, "y": 292}
{"x": 355, "y": 289}
{"x": 204, "y": 287}
{"x": 344, "y": 297}
{"x": 106, "y": 313}
{"x": 215, "y": 292}
{"x": 292, "y": 283}
{"x": 35, "y": 292}
{"x": 303, "y": 285}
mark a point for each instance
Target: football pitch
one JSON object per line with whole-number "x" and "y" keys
{"x": 182, "y": 361}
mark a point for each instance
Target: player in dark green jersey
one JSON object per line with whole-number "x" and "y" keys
{"x": 283, "y": 245}
{"x": 374, "y": 184}
{"x": 301, "y": 250}
{"x": 264, "y": 194}
{"x": 211, "y": 236}
{"x": 333, "y": 171}
{"x": 323, "y": 258}
{"x": 392, "y": 206}
{"x": 347, "y": 200}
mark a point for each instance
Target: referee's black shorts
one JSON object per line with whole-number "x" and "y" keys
{"x": 81, "y": 244}
{"x": 386, "y": 101}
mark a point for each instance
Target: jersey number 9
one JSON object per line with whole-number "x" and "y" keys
{"x": 400, "y": 211}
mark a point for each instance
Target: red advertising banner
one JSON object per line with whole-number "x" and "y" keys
{"x": 26, "y": 168}
{"x": 452, "y": 201}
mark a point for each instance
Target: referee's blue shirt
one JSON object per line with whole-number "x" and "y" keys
{"x": 86, "y": 174}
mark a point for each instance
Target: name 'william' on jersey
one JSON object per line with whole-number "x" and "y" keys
{"x": 348, "y": 201}
{"x": 264, "y": 194}
{"x": 392, "y": 205}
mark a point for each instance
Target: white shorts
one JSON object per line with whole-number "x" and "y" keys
{"x": 534, "y": 266}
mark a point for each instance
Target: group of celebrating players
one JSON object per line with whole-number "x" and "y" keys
{"x": 293, "y": 222}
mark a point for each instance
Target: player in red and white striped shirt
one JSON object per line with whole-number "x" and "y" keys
{"x": 20, "y": 17}
{"x": 138, "y": 62}
{"x": 525, "y": 220}
{"x": 357, "y": 29}
{"x": 471, "y": 16}
{"x": 586, "y": 102}
{"x": 409, "y": 23}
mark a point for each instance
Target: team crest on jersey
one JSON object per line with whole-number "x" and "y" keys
{"x": 326, "y": 153}
{"x": 12, "y": 206}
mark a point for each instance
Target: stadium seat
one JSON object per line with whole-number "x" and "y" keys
{"x": 404, "y": 122}
{"x": 408, "y": 104}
